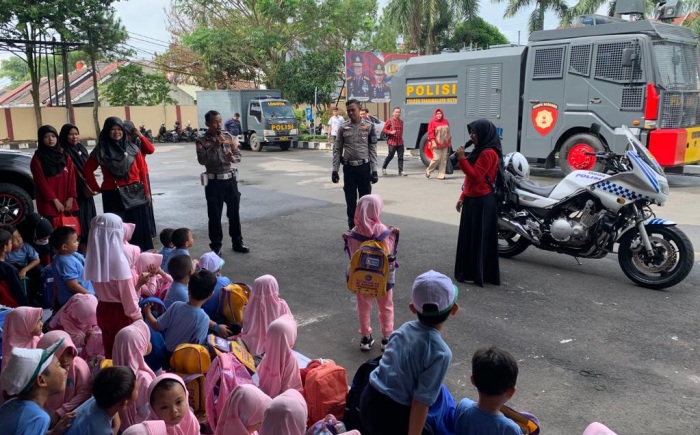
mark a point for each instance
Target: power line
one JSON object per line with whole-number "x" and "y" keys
{"x": 149, "y": 37}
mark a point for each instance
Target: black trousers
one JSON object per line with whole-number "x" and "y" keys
{"x": 218, "y": 193}
{"x": 355, "y": 181}
{"x": 112, "y": 203}
{"x": 392, "y": 151}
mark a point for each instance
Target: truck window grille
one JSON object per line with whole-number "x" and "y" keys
{"x": 608, "y": 64}
{"x": 548, "y": 63}
{"x": 632, "y": 98}
{"x": 483, "y": 91}
{"x": 678, "y": 65}
{"x": 580, "y": 59}
{"x": 679, "y": 109}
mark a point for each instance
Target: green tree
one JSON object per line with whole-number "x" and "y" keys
{"x": 386, "y": 35}
{"x": 478, "y": 33}
{"x": 132, "y": 86}
{"x": 300, "y": 77}
{"x": 536, "y": 21}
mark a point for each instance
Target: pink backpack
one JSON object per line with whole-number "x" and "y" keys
{"x": 225, "y": 374}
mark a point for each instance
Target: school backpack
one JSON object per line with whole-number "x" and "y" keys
{"x": 504, "y": 186}
{"x": 218, "y": 346}
{"x": 49, "y": 285}
{"x": 94, "y": 349}
{"x": 369, "y": 270}
{"x": 351, "y": 415}
{"x": 325, "y": 390}
{"x": 232, "y": 299}
{"x": 196, "y": 388}
{"x": 225, "y": 374}
{"x": 330, "y": 425}
{"x": 190, "y": 359}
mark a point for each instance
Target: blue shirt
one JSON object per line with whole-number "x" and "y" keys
{"x": 90, "y": 419}
{"x": 166, "y": 253}
{"x": 211, "y": 306}
{"x": 469, "y": 419}
{"x": 183, "y": 323}
{"x": 174, "y": 252}
{"x": 66, "y": 268}
{"x": 413, "y": 366}
{"x": 23, "y": 256}
{"x": 23, "y": 417}
{"x": 176, "y": 292}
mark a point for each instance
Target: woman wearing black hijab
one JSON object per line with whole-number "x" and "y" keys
{"x": 477, "y": 245}
{"x": 69, "y": 140}
{"x": 122, "y": 165}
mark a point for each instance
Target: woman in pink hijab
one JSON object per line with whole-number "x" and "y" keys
{"x": 285, "y": 415}
{"x": 243, "y": 411}
{"x": 169, "y": 400}
{"x": 367, "y": 224}
{"x": 264, "y": 306}
{"x": 76, "y": 317}
{"x": 159, "y": 281}
{"x": 130, "y": 346}
{"x": 78, "y": 375}
{"x": 147, "y": 428}
{"x": 108, "y": 269}
{"x": 279, "y": 371}
{"x": 22, "y": 329}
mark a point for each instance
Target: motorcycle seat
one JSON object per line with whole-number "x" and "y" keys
{"x": 534, "y": 187}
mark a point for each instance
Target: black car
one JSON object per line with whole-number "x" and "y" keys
{"x": 16, "y": 187}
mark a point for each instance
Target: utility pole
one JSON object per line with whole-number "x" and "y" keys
{"x": 70, "y": 117}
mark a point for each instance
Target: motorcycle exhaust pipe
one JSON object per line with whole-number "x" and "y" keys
{"x": 517, "y": 228}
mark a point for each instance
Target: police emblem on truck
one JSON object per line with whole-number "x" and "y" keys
{"x": 544, "y": 117}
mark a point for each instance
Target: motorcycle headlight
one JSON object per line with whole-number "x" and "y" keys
{"x": 268, "y": 133}
{"x": 293, "y": 131}
{"x": 663, "y": 186}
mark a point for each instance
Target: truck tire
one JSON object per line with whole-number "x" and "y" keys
{"x": 254, "y": 142}
{"x": 284, "y": 146}
{"x": 426, "y": 153}
{"x": 572, "y": 154}
{"x": 15, "y": 204}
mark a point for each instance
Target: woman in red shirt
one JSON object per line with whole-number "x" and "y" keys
{"x": 147, "y": 148}
{"x": 122, "y": 164}
{"x": 54, "y": 176}
{"x": 477, "y": 245}
{"x": 440, "y": 141}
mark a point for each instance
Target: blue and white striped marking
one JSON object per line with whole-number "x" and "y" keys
{"x": 659, "y": 221}
{"x": 620, "y": 191}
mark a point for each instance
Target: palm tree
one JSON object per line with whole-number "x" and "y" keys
{"x": 418, "y": 18}
{"x": 536, "y": 21}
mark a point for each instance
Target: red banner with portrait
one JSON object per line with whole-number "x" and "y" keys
{"x": 368, "y": 74}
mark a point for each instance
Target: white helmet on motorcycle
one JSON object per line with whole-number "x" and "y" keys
{"x": 517, "y": 164}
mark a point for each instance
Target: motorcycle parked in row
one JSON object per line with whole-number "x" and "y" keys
{"x": 146, "y": 133}
{"x": 165, "y": 135}
{"x": 588, "y": 212}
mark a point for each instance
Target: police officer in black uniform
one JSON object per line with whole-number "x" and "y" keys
{"x": 356, "y": 148}
{"x": 217, "y": 150}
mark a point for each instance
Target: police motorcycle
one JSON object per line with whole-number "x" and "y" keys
{"x": 588, "y": 212}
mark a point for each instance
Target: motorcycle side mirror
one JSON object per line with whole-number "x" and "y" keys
{"x": 595, "y": 128}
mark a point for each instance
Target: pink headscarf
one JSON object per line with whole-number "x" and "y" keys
{"x": 144, "y": 261}
{"x": 367, "y": 222}
{"x": 286, "y": 414}
{"x": 244, "y": 407}
{"x": 76, "y": 317}
{"x": 132, "y": 252}
{"x": 264, "y": 306}
{"x": 19, "y": 324}
{"x": 189, "y": 424}
{"x": 147, "y": 259}
{"x": 279, "y": 369}
{"x": 130, "y": 345}
{"x": 105, "y": 260}
{"x": 598, "y": 429}
{"x": 156, "y": 427}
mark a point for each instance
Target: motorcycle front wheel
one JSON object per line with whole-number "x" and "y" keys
{"x": 510, "y": 243}
{"x": 670, "y": 263}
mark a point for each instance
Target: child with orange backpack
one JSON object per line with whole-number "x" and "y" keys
{"x": 371, "y": 246}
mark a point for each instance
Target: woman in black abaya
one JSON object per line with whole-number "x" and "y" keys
{"x": 477, "y": 245}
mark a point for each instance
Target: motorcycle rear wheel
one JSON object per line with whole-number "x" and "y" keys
{"x": 672, "y": 261}
{"x": 510, "y": 243}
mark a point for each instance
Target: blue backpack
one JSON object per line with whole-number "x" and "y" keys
{"x": 159, "y": 354}
{"x": 49, "y": 286}
{"x": 351, "y": 416}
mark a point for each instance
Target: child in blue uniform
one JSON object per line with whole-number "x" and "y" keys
{"x": 68, "y": 265}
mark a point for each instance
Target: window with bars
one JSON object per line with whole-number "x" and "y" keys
{"x": 549, "y": 62}
{"x": 580, "y": 59}
{"x": 608, "y": 64}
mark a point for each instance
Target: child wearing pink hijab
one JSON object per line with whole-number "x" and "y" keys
{"x": 130, "y": 346}
{"x": 264, "y": 306}
{"x": 147, "y": 428}
{"x": 158, "y": 281}
{"x": 367, "y": 224}
{"x": 279, "y": 370}
{"x": 243, "y": 411}
{"x": 598, "y": 429}
{"x": 169, "y": 402}
{"x": 286, "y": 414}
{"x": 22, "y": 329}
{"x": 132, "y": 252}
{"x": 78, "y": 376}
{"x": 77, "y": 317}
{"x": 108, "y": 269}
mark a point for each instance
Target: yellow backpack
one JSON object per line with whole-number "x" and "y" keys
{"x": 232, "y": 299}
{"x": 195, "y": 387}
{"x": 370, "y": 266}
{"x": 190, "y": 359}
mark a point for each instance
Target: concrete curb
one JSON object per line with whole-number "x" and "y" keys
{"x": 306, "y": 145}
{"x": 33, "y": 145}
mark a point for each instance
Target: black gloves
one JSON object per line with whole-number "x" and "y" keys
{"x": 374, "y": 178}
{"x": 335, "y": 177}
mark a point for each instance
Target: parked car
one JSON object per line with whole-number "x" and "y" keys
{"x": 378, "y": 127}
{"x": 16, "y": 187}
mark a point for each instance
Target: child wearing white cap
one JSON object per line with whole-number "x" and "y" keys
{"x": 213, "y": 263}
{"x": 30, "y": 377}
{"x": 408, "y": 378}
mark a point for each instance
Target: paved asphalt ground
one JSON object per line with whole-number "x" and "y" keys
{"x": 590, "y": 344}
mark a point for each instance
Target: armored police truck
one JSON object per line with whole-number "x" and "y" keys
{"x": 266, "y": 119}
{"x": 543, "y": 97}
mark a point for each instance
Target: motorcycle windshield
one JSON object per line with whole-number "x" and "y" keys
{"x": 642, "y": 151}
